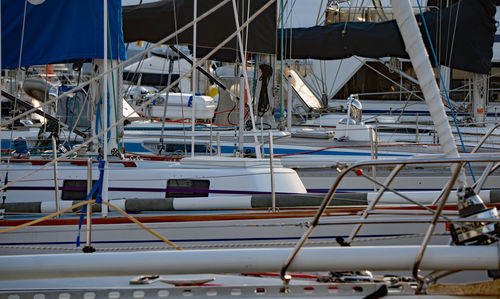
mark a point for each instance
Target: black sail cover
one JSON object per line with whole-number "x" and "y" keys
{"x": 154, "y": 21}
{"x": 462, "y": 36}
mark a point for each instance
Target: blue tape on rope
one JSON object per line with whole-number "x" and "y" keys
{"x": 96, "y": 187}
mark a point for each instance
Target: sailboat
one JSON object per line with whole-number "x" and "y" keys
{"x": 314, "y": 153}
{"x": 74, "y": 171}
{"x": 278, "y": 261}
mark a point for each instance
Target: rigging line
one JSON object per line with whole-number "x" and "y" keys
{"x": 246, "y": 29}
{"x": 6, "y": 179}
{"x": 288, "y": 20}
{"x": 331, "y": 95}
{"x": 90, "y": 201}
{"x": 22, "y": 34}
{"x": 321, "y": 79}
{"x": 445, "y": 89}
{"x": 289, "y": 13}
{"x": 281, "y": 59}
{"x": 246, "y": 83}
{"x": 291, "y": 24}
{"x": 323, "y": 82}
{"x": 454, "y": 33}
{"x": 361, "y": 5}
{"x": 163, "y": 68}
{"x": 165, "y": 103}
{"x": 169, "y": 80}
{"x": 145, "y": 51}
{"x": 133, "y": 219}
{"x": 136, "y": 73}
{"x": 348, "y": 18}
{"x": 320, "y": 10}
{"x": 44, "y": 100}
{"x": 461, "y": 88}
{"x": 315, "y": 82}
{"x": 386, "y": 77}
{"x": 115, "y": 97}
{"x": 199, "y": 62}
{"x": 66, "y": 140}
{"x": 180, "y": 83}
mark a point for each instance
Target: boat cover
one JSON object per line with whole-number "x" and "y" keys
{"x": 154, "y": 21}
{"x": 58, "y": 31}
{"x": 462, "y": 36}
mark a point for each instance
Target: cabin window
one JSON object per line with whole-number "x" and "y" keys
{"x": 187, "y": 188}
{"x": 76, "y": 194}
{"x": 178, "y": 148}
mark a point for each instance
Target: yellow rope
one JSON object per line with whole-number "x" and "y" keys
{"x": 6, "y": 230}
{"x": 90, "y": 201}
{"x": 141, "y": 225}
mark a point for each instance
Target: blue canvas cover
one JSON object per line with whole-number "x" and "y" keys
{"x": 59, "y": 31}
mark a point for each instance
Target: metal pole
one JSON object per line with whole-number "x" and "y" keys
{"x": 244, "y": 61}
{"x": 211, "y": 138}
{"x": 372, "y": 151}
{"x": 416, "y": 129}
{"x": 104, "y": 208}
{"x": 89, "y": 206}
{"x": 311, "y": 259}
{"x": 56, "y": 184}
{"x": 348, "y": 118}
{"x": 273, "y": 193}
{"x": 1, "y": 85}
{"x": 418, "y": 260}
{"x": 165, "y": 104}
{"x": 289, "y": 105}
{"x": 218, "y": 144}
{"x": 241, "y": 114}
{"x": 262, "y": 135}
{"x": 194, "y": 77}
{"x": 2, "y": 211}
{"x": 370, "y": 207}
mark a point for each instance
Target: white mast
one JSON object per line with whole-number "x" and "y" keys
{"x": 420, "y": 60}
{"x": 246, "y": 260}
{"x": 105, "y": 109}
{"x": 0, "y": 78}
{"x": 245, "y": 75}
{"x": 1, "y": 210}
{"x": 194, "y": 78}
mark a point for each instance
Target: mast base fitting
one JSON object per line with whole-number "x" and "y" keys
{"x": 88, "y": 249}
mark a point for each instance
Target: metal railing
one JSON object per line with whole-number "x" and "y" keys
{"x": 493, "y": 161}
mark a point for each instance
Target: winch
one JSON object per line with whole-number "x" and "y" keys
{"x": 471, "y": 206}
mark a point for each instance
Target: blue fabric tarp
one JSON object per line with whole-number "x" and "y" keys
{"x": 59, "y": 31}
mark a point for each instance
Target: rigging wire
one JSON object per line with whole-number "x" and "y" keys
{"x": 444, "y": 87}
{"x": 147, "y": 50}
{"x": 319, "y": 13}
{"x": 170, "y": 70}
{"x": 6, "y": 178}
{"x": 115, "y": 97}
{"x": 281, "y": 57}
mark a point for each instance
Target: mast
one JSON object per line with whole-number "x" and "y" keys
{"x": 479, "y": 98}
{"x": 420, "y": 60}
{"x": 245, "y": 75}
{"x": 105, "y": 109}
{"x": 245, "y": 260}
{"x": 0, "y": 79}
{"x": 194, "y": 78}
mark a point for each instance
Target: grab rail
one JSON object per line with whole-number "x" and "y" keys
{"x": 431, "y": 159}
